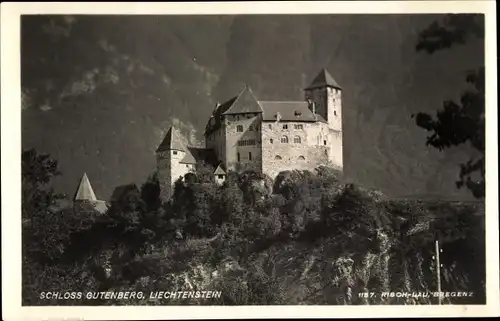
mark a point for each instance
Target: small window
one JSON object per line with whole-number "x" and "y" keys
{"x": 271, "y": 140}
{"x": 238, "y": 157}
{"x": 250, "y": 128}
{"x": 249, "y": 155}
{"x": 175, "y": 152}
{"x": 324, "y": 142}
{"x": 285, "y": 126}
{"x": 298, "y": 126}
{"x": 187, "y": 165}
{"x": 237, "y": 117}
{"x": 296, "y": 140}
{"x": 277, "y": 157}
{"x": 270, "y": 126}
{"x": 302, "y": 158}
{"x": 335, "y": 112}
{"x": 220, "y": 176}
{"x": 239, "y": 128}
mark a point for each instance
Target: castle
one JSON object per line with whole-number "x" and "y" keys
{"x": 268, "y": 137}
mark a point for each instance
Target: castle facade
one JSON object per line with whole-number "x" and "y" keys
{"x": 268, "y": 137}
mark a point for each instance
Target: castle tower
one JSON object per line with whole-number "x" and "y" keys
{"x": 173, "y": 161}
{"x": 85, "y": 198}
{"x": 325, "y": 97}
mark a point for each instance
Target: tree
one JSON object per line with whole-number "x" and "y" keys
{"x": 458, "y": 123}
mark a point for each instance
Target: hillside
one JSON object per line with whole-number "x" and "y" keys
{"x": 99, "y": 92}
{"x": 304, "y": 238}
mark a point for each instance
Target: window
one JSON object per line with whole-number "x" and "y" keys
{"x": 220, "y": 176}
{"x": 187, "y": 165}
{"x": 298, "y": 126}
{"x": 285, "y": 126}
{"x": 239, "y": 128}
{"x": 296, "y": 140}
{"x": 277, "y": 157}
{"x": 324, "y": 142}
{"x": 238, "y": 157}
{"x": 249, "y": 155}
{"x": 271, "y": 140}
{"x": 270, "y": 126}
{"x": 335, "y": 112}
{"x": 249, "y": 142}
{"x": 284, "y": 139}
{"x": 237, "y": 117}
{"x": 250, "y": 128}
{"x": 175, "y": 152}
{"x": 302, "y": 158}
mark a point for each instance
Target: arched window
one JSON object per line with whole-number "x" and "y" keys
{"x": 277, "y": 157}
{"x": 284, "y": 139}
{"x": 238, "y": 157}
{"x": 296, "y": 140}
{"x": 239, "y": 128}
{"x": 302, "y": 158}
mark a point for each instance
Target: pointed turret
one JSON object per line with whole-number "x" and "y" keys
{"x": 85, "y": 191}
{"x": 323, "y": 79}
{"x": 246, "y": 102}
{"x": 172, "y": 141}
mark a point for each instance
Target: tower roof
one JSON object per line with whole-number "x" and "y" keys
{"x": 172, "y": 141}
{"x": 219, "y": 170}
{"x": 324, "y": 79}
{"x": 245, "y": 102}
{"x": 85, "y": 191}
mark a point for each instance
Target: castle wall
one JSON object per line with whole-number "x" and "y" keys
{"x": 164, "y": 174}
{"x": 336, "y": 156}
{"x": 306, "y": 155}
{"x": 250, "y": 155}
{"x": 334, "y": 103}
{"x": 169, "y": 171}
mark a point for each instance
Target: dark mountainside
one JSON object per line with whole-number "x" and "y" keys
{"x": 99, "y": 92}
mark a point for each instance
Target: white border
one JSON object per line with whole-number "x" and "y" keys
{"x": 11, "y": 164}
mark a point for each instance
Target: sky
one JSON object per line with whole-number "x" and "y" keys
{"x": 99, "y": 92}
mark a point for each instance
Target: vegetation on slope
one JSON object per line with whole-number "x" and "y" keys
{"x": 306, "y": 238}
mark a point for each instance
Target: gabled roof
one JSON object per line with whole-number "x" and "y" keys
{"x": 219, "y": 170}
{"x": 188, "y": 158}
{"x": 196, "y": 154}
{"x": 323, "y": 79}
{"x": 288, "y": 111}
{"x": 246, "y": 102}
{"x": 85, "y": 191}
{"x": 217, "y": 115}
{"x": 172, "y": 141}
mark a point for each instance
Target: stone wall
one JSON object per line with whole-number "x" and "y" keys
{"x": 169, "y": 171}
{"x": 307, "y": 154}
{"x": 250, "y": 155}
{"x": 164, "y": 174}
{"x": 334, "y": 106}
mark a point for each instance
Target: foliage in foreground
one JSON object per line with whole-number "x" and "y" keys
{"x": 306, "y": 238}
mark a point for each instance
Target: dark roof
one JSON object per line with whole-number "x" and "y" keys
{"x": 217, "y": 116}
{"x": 120, "y": 191}
{"x": 172, "y": 141}
{"x": 205, "y": 155}
{"x": 288, "y": 111}
{"x": 246, "y": 102}
{"x": 323, "y": 79}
